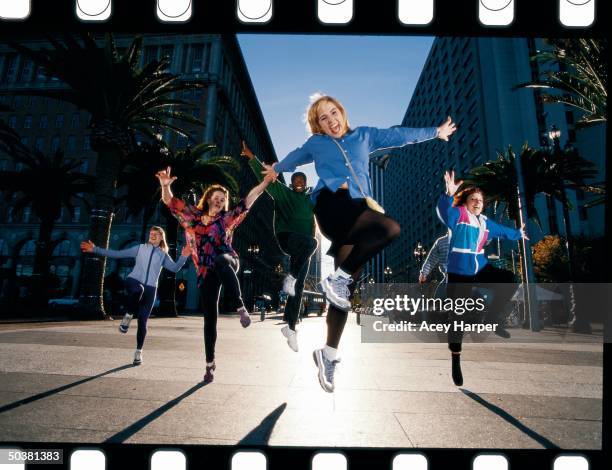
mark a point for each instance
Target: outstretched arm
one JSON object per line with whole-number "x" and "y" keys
{"x": 257, "y": 191}
{"x": 276, "y": 189}
{"x": 399, "y": 136}
{"x": 175, "y": 266}
{"x": 502, "y": 231}
{"x": 89, "y": 247}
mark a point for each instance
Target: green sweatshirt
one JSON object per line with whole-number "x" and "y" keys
{"x": 293, "y": 209}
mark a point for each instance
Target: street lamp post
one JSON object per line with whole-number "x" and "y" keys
{"x": 579, "y": 325}
{"x": 419, "y": 253}
{"x": 527, "y": 267}
{"x": 388, "y": 272}
{"x": 252, "y": 250}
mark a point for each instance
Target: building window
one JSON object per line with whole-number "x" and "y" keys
{"x": 55, "y": 143}
{"x": 84, "y": 167}
{"x": 150, "y": 54}
{"x": 26, "y": 70}
{"x": 86, "y": 144}
{"x": 75, "y": 122}
{"x": 59, "y": 121}
{"x": 24, "y": 141}
{"x": 44, "y": 121}
{"x": 27, "y": 212}
{"x": 4, "y": 164}
{"x": 10, "y": 69}
{"x": 71, "y": 144}
{"x": 27, "y": 122}
{"x": 39, "y": 143}
{"x": 197, "y": 56}
{"x": 12, "y": 122}
{"x": 76, "y": 216}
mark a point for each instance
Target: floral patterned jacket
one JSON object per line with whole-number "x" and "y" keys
{"x": 207, "y": 240}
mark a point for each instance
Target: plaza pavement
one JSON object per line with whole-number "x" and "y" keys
{"x": 74, "y": 382}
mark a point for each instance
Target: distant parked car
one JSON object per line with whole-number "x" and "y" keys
{"x": 63, "y": 301}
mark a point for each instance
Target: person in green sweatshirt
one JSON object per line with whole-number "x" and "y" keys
{"x": 295, "y": 227}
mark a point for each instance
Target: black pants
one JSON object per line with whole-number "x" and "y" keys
{"x": 460, "y": 286}
{"x": 300, "y": 248}
{"x": 140, "y": 300}
{"x": 357, "y": 234}
{"x": 223, "y": 273}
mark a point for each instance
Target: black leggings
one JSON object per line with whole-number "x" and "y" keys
{"x": 222, "y": 273}
{"x": 357, "y": 234}
{"x": 459, "y": 286}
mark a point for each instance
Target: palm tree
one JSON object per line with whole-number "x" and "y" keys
{"x": 46, "y": 183}
{"x": 581, "y": 78}
{"x": 123, "y": 99}
{"x": 195, "y": 168}
{"x": 548, "y": 171}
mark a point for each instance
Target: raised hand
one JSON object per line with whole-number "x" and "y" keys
{"x": 246, "y": 151}
{"x": 451, "y": 185}
{"x": 186, "y": 251}
{"x": 87, "y": 246}
{"x": 446, "y": 129}
{"x": 523, "y": 233}
{"x": 164, "y": 177}
{"x": 269, "y": 172}
{"x": 422, "y": 279}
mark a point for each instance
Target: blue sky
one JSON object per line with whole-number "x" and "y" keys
{"x": 373, "y": 76}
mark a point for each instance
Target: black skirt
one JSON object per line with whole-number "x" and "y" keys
{"x": 336, "y": 215}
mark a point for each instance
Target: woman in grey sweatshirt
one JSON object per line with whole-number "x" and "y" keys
{"x": 141, "y": 283}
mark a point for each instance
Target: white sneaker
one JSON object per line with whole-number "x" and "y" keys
{"x": 326, "y": 369}
{"x": 125, "y": 323}
{"x": 289, "y": 285}
{"x": 337, "y": 292}
{"x": 291, "y": 336}
{"x": 137, "y": 357}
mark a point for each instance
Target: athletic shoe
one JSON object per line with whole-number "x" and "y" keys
{"x": 502, "y": 332}
{"x": 137, "y": 358}
{"x": 125, "y": 323}
{"x": 289, "y": 285}
{"x": 245, "y": 318}
{"x": 326, "y": 369}
{"x": 337, "y": 292}
{"x": 456, "y": 370}
{"x": 209, "y": 376}
{"x": 291, "y": 336}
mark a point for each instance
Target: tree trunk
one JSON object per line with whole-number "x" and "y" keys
{"x": 167, "y": 284}
{"x": 108, "y": 166}
{"x": 578, "y": 323}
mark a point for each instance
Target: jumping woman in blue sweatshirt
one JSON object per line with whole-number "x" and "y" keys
{"x": 141, "y": 283}
{"x": 467, "y": 263}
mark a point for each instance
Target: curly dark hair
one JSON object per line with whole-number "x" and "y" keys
{"x": 462, "y": 196}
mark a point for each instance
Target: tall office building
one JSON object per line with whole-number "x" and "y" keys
{"x": 472, "y": 80}
{"x": 229, "y": 108}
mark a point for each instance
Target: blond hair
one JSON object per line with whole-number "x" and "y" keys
{"x": 312, "y": 114}
{"x": 163, "y": 244}
{"x": 213, "y": 188}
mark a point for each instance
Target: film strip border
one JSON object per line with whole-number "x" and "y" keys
{"x": 150, "y": 457}
{"x": 320, "y": 15}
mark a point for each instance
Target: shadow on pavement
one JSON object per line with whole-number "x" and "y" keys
{"x": 510, "y": 419}
{"x": 141, "y": 423}
{"x": 42, "y": 395}
{"x": 261, "y": 434}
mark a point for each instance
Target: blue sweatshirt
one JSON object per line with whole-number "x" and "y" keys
{"x": 358, "y": 144}
{"x": 469, "y": 234}
{"x": 149, "y": 261}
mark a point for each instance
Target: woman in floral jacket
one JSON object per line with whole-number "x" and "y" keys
{"x": 209, "y": 227}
